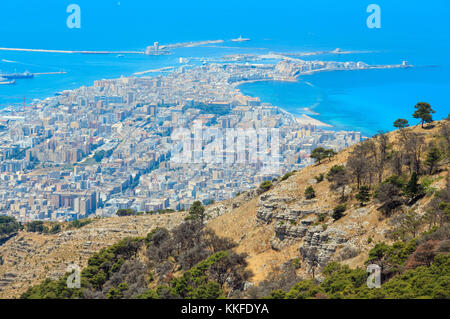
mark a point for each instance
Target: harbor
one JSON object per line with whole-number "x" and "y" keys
{"x": 10, "y": 78}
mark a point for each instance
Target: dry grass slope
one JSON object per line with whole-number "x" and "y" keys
{"x": 29, "y": 258}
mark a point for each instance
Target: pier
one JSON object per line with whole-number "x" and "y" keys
{"x": 71, "y": 52}
{"x": 49, "y": 73}
{"x": 154, "y": 70}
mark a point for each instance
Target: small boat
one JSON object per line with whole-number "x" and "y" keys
{"x": 240, "y": 39}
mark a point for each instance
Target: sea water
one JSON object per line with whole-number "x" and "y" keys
{"x": 367, "y": 100}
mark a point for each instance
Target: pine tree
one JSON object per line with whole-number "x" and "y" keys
{"x": 423, "y": 112}
{"x": 318, "y": 154}
{"x": 363, "y": 195}
{"x": 433, "y": 157}
{"x": 197, "y": 212}
{"x": 401, "y": 123}
{"x": 413, "y": 188}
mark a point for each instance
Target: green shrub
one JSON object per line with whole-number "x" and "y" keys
{"x": 309, "y": 192}
{"x": 126, "y": 212}
{"x": 319, "y": 178}
{"x": 36, "y": 227}
{"x": 266, "y": 185}
{"x": 363, "y": 195}
{"x": 336, "y": 169}
{"x": 296, "y": 262}
{"x": 8, "y": 226}
{"x": 338, "y": 211}
{"x": 287, "y": 175}
{"x": 78, "y": 223}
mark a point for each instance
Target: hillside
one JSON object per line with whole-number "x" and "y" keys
{"x": 281, "y": 224}
{"x": 270, "y": 228}
{"x": 29, "y": 258}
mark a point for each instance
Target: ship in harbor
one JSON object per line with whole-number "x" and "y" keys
{"x": 13, "y": 76}
{"x": 4, "y": 81}
{"x": 240, "y": 39}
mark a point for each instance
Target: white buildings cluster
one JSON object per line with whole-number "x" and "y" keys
{"x": 98, "y": 149}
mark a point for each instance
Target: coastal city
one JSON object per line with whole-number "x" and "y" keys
{"x": 94, "y": 150}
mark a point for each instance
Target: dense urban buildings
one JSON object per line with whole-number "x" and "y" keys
{"x": 94, "y": 150}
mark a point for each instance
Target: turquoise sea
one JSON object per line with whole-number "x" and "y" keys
{"x": 366, "y": 101}
{"x": 355, "y": 100}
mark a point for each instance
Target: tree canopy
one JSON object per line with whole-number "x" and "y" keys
{"x": 401, "y": 123}
{"x": 423, "y": 112}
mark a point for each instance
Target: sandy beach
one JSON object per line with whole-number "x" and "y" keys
{"x": 307, "y": 120}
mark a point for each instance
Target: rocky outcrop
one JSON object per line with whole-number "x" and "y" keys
{"x": 268, "y": 204}
{"x": 319, "y": 245}
{"x": 286, "y": 233}
{"x": 294, "y": 214}
{"x": 218, "y": 209}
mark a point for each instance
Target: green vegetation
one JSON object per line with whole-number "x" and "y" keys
{"x": 401, "y": 123}
{"x": 160, "y": 211}
{"x": 126, "y": 212}
{"x": 192, "y": 262}
{"x": 53, "y": 289}
{"x": 339, "y": 178}
{"x": 413, "y": 189}
{"x": 287, "y": 175}
{"x": 363, "y": 195}
{"x": 335, "y": 170}
{"x": 309, "y": 192}
{"x": 98, "y": 156}
{"x": 55, "y": 229}
{"x": 433, "y": 157}
{"x": 319, "y": 178}
{"x": 197, "y": 212}
{"x": 8, "y": 226}
{"x": 321, "y": 153}
{"x": 43, "y": 228}
{"x": 265, "y": 186}
{"x": 417, "y": 269}
{"x": 145, "y": 268}
{"x": 78, "y": 223}
{"x": 36, "y": 227}
{"x": 423, "y": 112}
{"x": 338, "y": 211}
{"x": 217, "y": 109}
{"x": 296, "y": 262}
{"x": 321, "y": 217}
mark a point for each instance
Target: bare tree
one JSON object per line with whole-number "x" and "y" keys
{"x": 339, "y": 179}
{"x": 389, "y": 196}
{"x": 381, "y": 157}
{"x": 413, "y": 146}
{"x": 357, "y": 164}
{"x": 396, "y": 162}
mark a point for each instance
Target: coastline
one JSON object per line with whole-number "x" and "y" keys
{"x": 308, "y": 120}
{"x": 303, "y": 119}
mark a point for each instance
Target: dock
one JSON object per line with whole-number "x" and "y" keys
{"x": 50, "y": 73}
